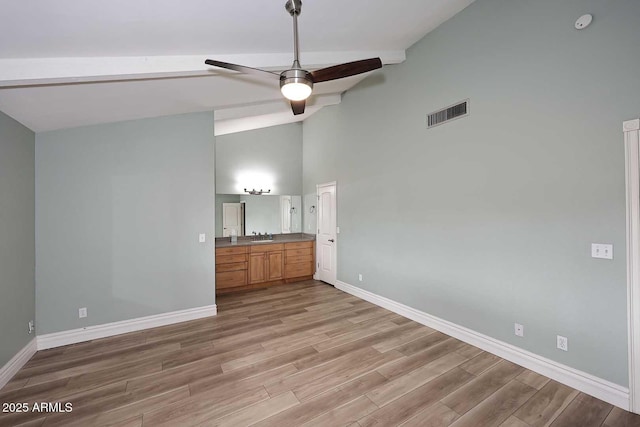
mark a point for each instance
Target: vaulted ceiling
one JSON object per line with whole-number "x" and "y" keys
{"x": 68, "y": 63}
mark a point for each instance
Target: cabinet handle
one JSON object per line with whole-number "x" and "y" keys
{"x": 331, "y": 240}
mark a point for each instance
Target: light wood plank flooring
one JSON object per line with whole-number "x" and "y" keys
{"x": 299, "y": 354}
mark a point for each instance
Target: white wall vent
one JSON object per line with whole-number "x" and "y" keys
{"x": 456, "y": 111}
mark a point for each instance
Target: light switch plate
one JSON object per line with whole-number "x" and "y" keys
{"x": 601, "y": 250}
{"x": 82, "y": 312}
{"x": 202, "y": 238}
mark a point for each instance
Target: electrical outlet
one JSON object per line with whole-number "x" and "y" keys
{"x": 563, "y": 343}
{"x": 360, "y": 277}
{"x": 519, "y": 329}
{"x": 202, "y": 238}
{"x": 32, "y": 326}
{"x": 82, "y": 312}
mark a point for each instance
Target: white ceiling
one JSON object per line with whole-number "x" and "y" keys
{"x": 68, "y": 63}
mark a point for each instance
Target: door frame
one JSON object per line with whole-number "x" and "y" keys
{"x": 335, "y": 246}
{"x": 631, "y": 129}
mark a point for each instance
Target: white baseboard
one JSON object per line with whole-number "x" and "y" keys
{"x": 587, "y": 383}
{"x": 74, "y": 336}
{"x": 18, "y": 361}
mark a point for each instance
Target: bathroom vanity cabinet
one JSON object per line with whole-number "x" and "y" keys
{"x": 254, "y": 264}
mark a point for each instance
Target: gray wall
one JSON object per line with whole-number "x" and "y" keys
{"x": 17, "y": 247}
{"x": 488, "y": 220}
{"x": 118, "y": 212}
{"x": 274, "y": 152}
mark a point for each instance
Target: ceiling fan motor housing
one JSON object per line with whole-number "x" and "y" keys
{"x": 296, "y": 75}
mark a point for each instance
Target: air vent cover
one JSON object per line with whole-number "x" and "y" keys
{"x": 447, "y": 114}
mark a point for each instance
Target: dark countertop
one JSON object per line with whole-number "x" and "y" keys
{"x": 225, "y": 242}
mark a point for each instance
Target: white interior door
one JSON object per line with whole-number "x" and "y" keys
{"x": 231, "y": 219}
{"x": 326, "y": 237}
{"x": 285, "y": 214}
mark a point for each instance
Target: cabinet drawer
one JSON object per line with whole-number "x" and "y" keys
{"x": 232, "y": 250}
{"x": 234, "y": 266}
{"x": 266, "y": 248}
{"x": 231, "y": 279}
{"x": 298, "y": 270}
{"x": 295, "y": 259}
{"x": 299, "y": 252}
{"x": 299, "y": 245}
{"x": 226, "y": 259}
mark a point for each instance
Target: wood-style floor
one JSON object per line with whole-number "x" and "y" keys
{"x": 299, "y": 354}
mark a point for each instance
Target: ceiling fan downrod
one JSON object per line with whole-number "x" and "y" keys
{"x": 296, "y": 84}
{"x": 294, "y": 7}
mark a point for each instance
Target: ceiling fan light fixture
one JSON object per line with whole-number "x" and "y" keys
{"x": 296, "y": 91}
{"x": 296, "y": 84}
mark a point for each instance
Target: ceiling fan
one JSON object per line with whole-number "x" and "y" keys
{"x": 296, "y": 83}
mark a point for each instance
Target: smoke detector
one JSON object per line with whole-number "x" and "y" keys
{"x": 584, "y": 21}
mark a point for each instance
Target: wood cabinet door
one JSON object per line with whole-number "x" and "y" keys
{"x": 275, "y": 270}
{"x": 257, "y": 268}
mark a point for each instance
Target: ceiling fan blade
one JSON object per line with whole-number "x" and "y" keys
{"x": 241, "y": 68}
{"x": 346, "y": 70}
{"x": 298, "y": 107}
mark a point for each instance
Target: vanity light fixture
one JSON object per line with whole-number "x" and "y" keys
{"x": 255, "y": 192}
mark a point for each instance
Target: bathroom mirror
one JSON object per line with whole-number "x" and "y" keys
{"x": 248, "y": 214}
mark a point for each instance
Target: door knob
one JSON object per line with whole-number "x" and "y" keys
{"x": 331, "y": 240}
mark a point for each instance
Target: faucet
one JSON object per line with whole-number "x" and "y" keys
{"x": 261, "y": 236}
